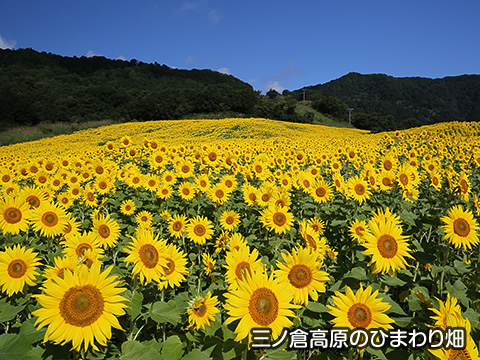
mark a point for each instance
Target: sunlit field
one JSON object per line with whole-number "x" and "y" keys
{"x": 194, "y": 239}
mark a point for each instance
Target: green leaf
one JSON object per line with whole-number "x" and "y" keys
{"x": 196, "y": 354}
{"x": 165, "y": 312}
{"x": 394, "y": 307}
{"x": 172, "y": 348}
{"x": 7, "y": 311}
{"x": 30, "y": 332}
{"x": 14, "y": 346}
{"x": 135, "y": 305}
{"x": 135, "y": 350}
{"x": 392, "y": 281}
{"x": 424, "y": 257}
{"x": 358, "y": 273}
{"x": 376, "y": 352}
{"x": 317, "y": 307}
{"x": 472, "y": 315}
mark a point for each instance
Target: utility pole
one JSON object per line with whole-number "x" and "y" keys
{"x": 304, "y": 94}
{"x": 350, "y": 115}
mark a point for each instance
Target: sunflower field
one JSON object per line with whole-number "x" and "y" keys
{"x": 241, "y": 239}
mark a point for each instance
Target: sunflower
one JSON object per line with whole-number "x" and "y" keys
{"x": 107, "y": 230}
{"x": 17, "y": 267}
{"x": 61, "y": 264}
{"x": 33, "y": 196}
{"x": 229, "y": 220}
{"x": 250, "y": 194}
{"x": 186, "y": 190}
{"x": 302, "y": 275}
{"x": 199, "y": 230}
{"x": 386, "y": 180}
{"x": 277, "y": 219}
{"x": 259, "y": 301}
{"x": 236, "y": 241}
{"x": 360, "y": 310}
{"x": 72, "y": 228}
{"x": 358, "y": 189}
{"x": 240, "y": 263}
{"x": 358, "y": 229}
{"x": 202, "y": 311}
{"x": 317, "y": 225}
{"x": 144, "y": 219}
{"x": 460, "y": 228}
{"x": 448, "y": 314}
{"x": 81, "y": 308}
{"x": 209, "y": 263}
{"x": 177, "y": 225}
{"x": 76, "y": 245}
{"x": 164, "y": 191}
{"x": 49, "y": 219}
{"x": 14, "y": 215}
{"x": 128, "y": 207}
{"x": 222, "y": 240}
{"x": 385, "y": 242}
{"x": 463, "y": 184}
{"x": 175, "y": 268}
{"x": 64, "y": 200}
{"x": 146, "y": 252}
{"x": 470, "y": 351}
{"x": 321, "y": 192}
{"x": 203, "y": 182}
{"x": 219, "y": 194}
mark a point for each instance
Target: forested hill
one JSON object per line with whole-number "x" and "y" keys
{"x": 410, "y": 101}
{"x": 43, "y": 87}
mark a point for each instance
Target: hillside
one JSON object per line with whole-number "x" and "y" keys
{"x": 43, "y": 87}
{"x": 410, "y": 100}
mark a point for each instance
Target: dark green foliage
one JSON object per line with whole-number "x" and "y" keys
{"x": 398, "y": 103}
{"x": 39, "y": 87}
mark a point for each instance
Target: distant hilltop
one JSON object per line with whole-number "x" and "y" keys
{"x": 414, "y": 99}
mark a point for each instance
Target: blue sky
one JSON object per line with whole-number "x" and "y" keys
{"x": 269, "y": 44}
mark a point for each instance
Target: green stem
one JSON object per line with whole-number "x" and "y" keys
{"x": 442, "y": 277}
{"x": 132, "y": 320}
{"x": 245, "y": 351}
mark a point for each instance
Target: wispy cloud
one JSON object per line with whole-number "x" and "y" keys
{"x": 225, "y": 70}
{"x": 274, "y": 81}
{"x": 7, "y": 44}
{"x": 91, "y": 53}
{"x": 190, "y": 61}
{"x": 274, "y": 84}
{"x": 121, "y": 57}
{"x": 188, "y": 6}
{"x": 214, "y": 16}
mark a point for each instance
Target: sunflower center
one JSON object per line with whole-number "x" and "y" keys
{"x": 387, "y": 181}
{"x": 104, "y": 231}
{"x": 263, "y": 306}
{"x": 81, "y": 306}
{"x": 200, "y": 309}
{"x": 359, "y": 230}
{"x": 360, "y": 189}
{"x": 80, "y": 251}
{"x": 311, "y": 242}
{"x": 457, "y": 354}
{"x": 258, "y": 169}
{"x": 229, "y": 220}
{"x": 300, "y": 276}
{"x": 403, "y": 179}
{"x": 219, "y": 193}
{"x": 199, "y": 230}
{"x": 177, "y": 226}
{"x": 265, "y": 197}
{"x": 242, "y": 268}
{"x": 148, "y": 255}
{"x": 170, "y": 268}
{"x": 461, "y": 227}
{"x": 185, "y": 169}
{"x": 387, "y": 165}
{"x": 12, "y": 215}
{"x": 320, "y": 191}
{"x": 17, "y": 268}
{"x": 387, "y": 246}
{"x": 212, "y": 156}
{"x": 279, "y": 219}
{"x": 50, "y": 219}
{"x": 359, "y": 316}
{"x": 435, "y": 181}
{"x": 33, "y": 201}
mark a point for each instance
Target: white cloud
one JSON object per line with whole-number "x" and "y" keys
{"x": 190, "y": 60}
{"x": 91, "y": 53}
{"x": 225, "y": 70}
{"x": 121, "y": 57}
{"x": 188, "y": 6}
{"x": 214, "y": 16}
{"x": 275, "y": 85}
{"x": 7, "y": 44}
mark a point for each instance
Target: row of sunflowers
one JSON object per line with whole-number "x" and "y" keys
{"x": 181, "y": 239}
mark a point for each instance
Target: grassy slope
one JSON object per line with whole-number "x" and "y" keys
{"x": 319, "y": 118}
